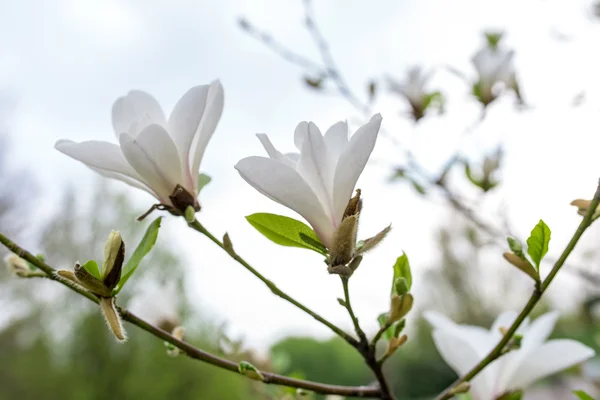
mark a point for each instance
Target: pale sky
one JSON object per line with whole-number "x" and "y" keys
{"x": 65, "y": 62}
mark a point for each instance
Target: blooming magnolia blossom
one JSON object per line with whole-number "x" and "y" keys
{"x": 318, "y": 182}
{"x": 154, "y": 154}
{"x": 493, "y": 65}
{"x": 463, "y": 346}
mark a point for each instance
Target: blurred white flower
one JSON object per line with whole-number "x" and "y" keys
{"x": 158, "y": 305}
{"x": 413, "y": 86}
{"x": 318, "y": 182}
{"x": 154, "y": 154}
{"x": 16, "y": 265}
{"x": 494, "y": 65}
{"x": 463, "y": 346}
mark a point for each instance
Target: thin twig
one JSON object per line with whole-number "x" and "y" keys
{"x": 539, "y": 290}
{"x": 278, "y": 292}
{"x": 190, "y": 350}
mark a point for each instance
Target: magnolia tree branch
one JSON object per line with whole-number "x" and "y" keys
{"x": 276, "y": 291}
{"x": 190, "y": 350}
{"x": 538, "y": 291}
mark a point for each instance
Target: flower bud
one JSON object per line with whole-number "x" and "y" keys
{"x": 114, "y": 255}
{"x": 582, "y": 207}
{"x": 250, "y": 371}
{"x": 17, "y": 266}
{"x": 228, "y": 246}
{"x": 462, "y": 387}
{"x": 523, "y": 265}
{"x": 400, "y": 306}
{"x": 190, "y": 214}
{"x": 394, "y": 344}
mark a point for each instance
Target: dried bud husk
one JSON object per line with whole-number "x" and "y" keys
{"x": 354, "y": 205}
{"x": 340, "y": 270}
{"x": 114, "y": 255}
{"x": 523, "y": 265}
{"x": 65, "y": 273}
{"x": 112, "y": 318}
{"x": 344, "y": 241}
{"x": 355, "y": 263}
{"x": 400, "y": 306}
{"x": 17, "y": 266}
{"x": 90, "y": 282}
{"x": 181, "y": 200}
{"x": 582, "y": 207}
{"x": 371, "y": 243}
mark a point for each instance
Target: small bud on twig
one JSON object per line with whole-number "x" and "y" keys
{"x": 400, "y": 306}
{"x": 462, "y": 387}
{"x": 228, "y": 246}
{"x": 522, "y": 264}
{"x": 250, "y": 371}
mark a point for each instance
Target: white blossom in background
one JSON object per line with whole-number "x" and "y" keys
{"x": 494, "y": 66}
{"x": 159, "y": 305}
{"x": 463, "y": 346}
{"x": 319, "y": 181}
{"x": 159, "y": 155}
{"x": 412, "y": 87}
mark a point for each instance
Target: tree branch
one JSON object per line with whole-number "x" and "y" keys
{"x": 539, "y": 290}
{"x": 190, "y": 350}
{"x": 278, "y": 292}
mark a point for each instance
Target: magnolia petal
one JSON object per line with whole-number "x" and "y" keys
{"x": 207, "y": 126}
{"x": 351, "y": 164}
{"x": 192, "y": 124}
{"x": 336, "y": 140}
{"x": 150, "y": 159}
{"x": 550, "y": 358}
{"x": 539, "y": 330}
{"x": 300, "y": 133}
{"x": 273, "y": 152}
{"x": 439, "y": 321}
{"x": 124, "y": 178}
{"x": 281, "y": 183}
{"x": 132, "y": 113}
{"x": 315, "y": 168}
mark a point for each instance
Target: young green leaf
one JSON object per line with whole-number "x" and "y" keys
{"x": 581, "y": 395}
{"x": 92, "y": 267}
{"x": 516, "y": 247}
{"x": 140, "y": 252}
{"x": 538, "y": 242}
{"x": 402, "y": 270}
{"x": 203, "y": 180}
{"x": 286, "y": 231}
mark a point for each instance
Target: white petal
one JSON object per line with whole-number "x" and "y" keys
{"x": 273, "y": 152}
{"x": 458, "y": 353}
{"x": 300, "y": 133}
{"x": 132, "y": 113}
{"x": 208, "y": 125}
{"x": 550, "y": 358}
{"x": 336, "y": 140}
{"x": 315, "y": 169}
{"x": 438, "y": 320}
{"x": 154, "y": 156}
{"x": 192, "y": 124}
{"x": 351, "y": 164}
{"x": 540, "y": 329}
{"x": 284, "y": 185}
{"x": 104, "y": 158}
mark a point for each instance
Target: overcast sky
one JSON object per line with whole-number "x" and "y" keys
{"x": 63, "y": 63}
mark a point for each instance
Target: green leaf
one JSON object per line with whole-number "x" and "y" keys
{"x": 402, "y": 270}
{"x": 538, "y": 242}
{"x": 382, "y": 319}
{"x": 92, "y": 267}
{"x": 582, "y": 395}
{"x": 203, "y": 180}
{"x": 286, "y": 231}
{"x": 140, "y": 252}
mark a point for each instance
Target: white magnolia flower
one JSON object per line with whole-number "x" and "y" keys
{"x": 463, "y": 346}
{"x": 154, "y": 154}
{"x": 413, "y": 87}
{"x": 318, "y": 182}
{"x": 159, "y": 305}
{"x": 493, "y": 65}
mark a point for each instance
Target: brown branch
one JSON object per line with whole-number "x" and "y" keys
{"x": 190, "y": 350}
